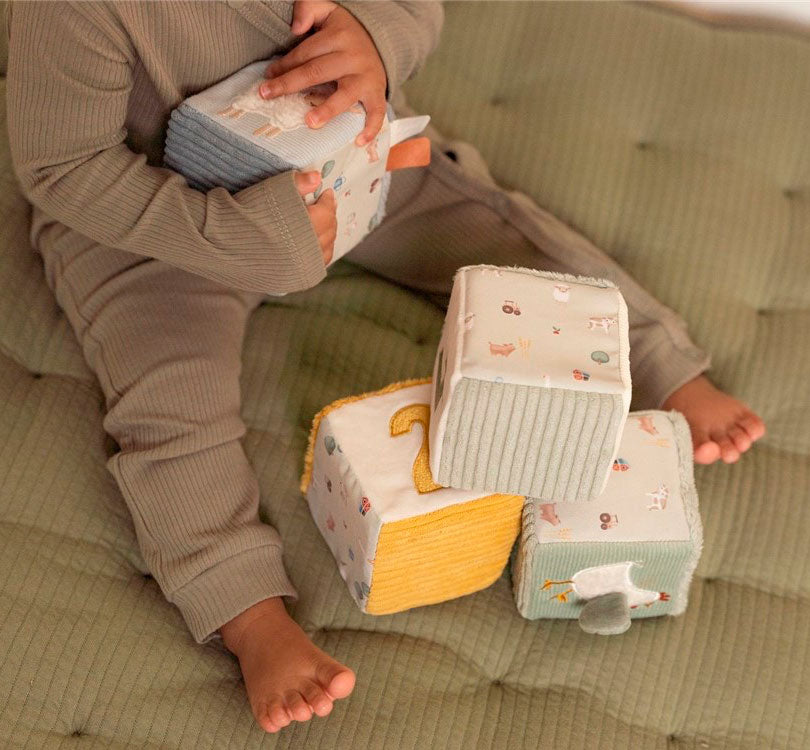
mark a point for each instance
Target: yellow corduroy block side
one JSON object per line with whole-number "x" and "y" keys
{"x": 444, "y": 554}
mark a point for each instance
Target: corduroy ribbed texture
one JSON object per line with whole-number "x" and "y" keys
{"x": 442, "y": 555}
{"x": 547, "y": 443}
{"x": 713, "y": 216}
{"x": 665, "y": 566}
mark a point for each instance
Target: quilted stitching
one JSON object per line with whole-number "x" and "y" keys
{"x": 702, "y": 191}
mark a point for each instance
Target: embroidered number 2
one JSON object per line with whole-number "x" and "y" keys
{"x": 402, "y": 422}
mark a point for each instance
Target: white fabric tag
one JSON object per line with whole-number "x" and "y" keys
{"x": 407, "y": 127}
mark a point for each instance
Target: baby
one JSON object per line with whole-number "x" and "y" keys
{"x": 158, "y": 280}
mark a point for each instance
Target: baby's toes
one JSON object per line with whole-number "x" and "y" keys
{"x": 319, "y": 701}
{"x": 728, "y": 452}
{"x": 296, "y": 706}
{"x": 263, "y": 719}
{"x": 706, "y": 450}
{"x": 277, "y": 715}
{"x": 740, "y": 438}
{"x": 752, "y": 424}
{"x": 336, "y": 680}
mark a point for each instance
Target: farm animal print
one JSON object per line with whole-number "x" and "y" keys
{"x": 520, "y": 326}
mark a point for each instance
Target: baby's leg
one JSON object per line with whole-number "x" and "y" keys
{"x": 453, "y": 214}
{"x": 166, "y": 347}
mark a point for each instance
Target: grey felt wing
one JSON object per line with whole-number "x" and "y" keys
{"x": 608, "y": 614}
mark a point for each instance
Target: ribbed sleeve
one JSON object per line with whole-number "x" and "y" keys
{"x": 68, "y": 109}
{"x": 405, "y": 33}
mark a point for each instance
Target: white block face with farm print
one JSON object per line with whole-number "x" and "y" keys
{"x": 399, "y": 539}
{"x": 531, "y": 383}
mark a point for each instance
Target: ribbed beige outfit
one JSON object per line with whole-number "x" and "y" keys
{"x": 158, "y": 279}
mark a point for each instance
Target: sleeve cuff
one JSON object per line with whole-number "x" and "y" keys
{"x": 662, "y": 370}
{"x": 291, "y": 220}
{"x": 229, "y": 588}
{"x": 271, "y": 235}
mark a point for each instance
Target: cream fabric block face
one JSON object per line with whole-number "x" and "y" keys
{"x": 532, "y": 383}
{"x": 355, "y": 175}
{"x": 229, "y": 136}
{"x": 399, "y": 539}
{"x": 642, "y": 537}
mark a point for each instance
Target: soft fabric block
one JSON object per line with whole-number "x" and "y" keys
{"x": 399, "y": 539}
{"x": 641, "y": 538}
{"x": 531, "y": 383}
{"x": 229, "y": 136}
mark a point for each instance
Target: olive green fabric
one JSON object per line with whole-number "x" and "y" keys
{"x": 680, "y": 148}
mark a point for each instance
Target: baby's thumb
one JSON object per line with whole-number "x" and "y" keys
{"x": 306, "y": 182}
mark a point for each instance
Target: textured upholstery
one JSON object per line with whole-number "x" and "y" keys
{"x": 682, "y": 149}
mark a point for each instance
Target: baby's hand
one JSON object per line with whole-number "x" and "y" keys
{"x": 322, "y": 213}
{"x": 340, "y": 50}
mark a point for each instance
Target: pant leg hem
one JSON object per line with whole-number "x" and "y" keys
{"x": 663, "y": 370}
{"x": 220, "y": 593}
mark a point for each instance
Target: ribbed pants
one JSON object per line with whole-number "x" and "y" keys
{"x": 166, "y": 347}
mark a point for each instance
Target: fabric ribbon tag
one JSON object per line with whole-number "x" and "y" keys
{"x": 412, "y": 153}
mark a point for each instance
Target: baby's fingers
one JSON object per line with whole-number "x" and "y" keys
{"x": 323, "y": 216}
{"x": 320, "y": 70}
{"x": 307, "y": 49}
{"x": 375, "y": 113}
{"x": 339, "y": 102}
{"x": 306, "y": 182}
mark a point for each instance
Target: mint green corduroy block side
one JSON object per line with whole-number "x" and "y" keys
{"x": 547, "y": 443}
{"x": 663, "y": 566}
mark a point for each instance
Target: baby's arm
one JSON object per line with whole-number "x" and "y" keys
{"x": 69, "y": 82}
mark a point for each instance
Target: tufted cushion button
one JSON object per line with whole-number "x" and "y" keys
{"x": 789, "y": 192}
{"x": 496, "y": 101}
{"x": 36, "y": 375}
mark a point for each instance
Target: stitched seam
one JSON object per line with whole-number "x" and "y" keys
{"x": 281, "y": 221}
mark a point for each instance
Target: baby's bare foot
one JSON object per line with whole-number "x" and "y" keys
{"x": 288, "y": 678}
{"x": 722, "y": 426}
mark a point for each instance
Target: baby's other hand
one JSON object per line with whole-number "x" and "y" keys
{"x": 341, "y": 50}
{"x": 322, "y": 213}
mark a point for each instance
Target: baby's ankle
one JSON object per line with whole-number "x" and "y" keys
{"x": 233, "y": 632}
